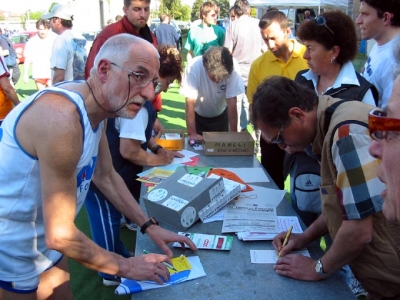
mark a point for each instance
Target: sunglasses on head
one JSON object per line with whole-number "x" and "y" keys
{"x": 321, "y": 21}
{"x": 380, "y": 125}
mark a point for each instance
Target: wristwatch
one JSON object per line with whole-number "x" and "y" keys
{"x": 319, "y": 268}
{"x": 151, "y": 221}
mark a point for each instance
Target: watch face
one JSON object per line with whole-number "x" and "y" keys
{"x": 318, "y": 267}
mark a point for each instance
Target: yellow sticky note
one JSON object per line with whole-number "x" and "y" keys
{"x": 181, "y": 263}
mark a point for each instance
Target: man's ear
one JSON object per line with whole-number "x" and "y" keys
{"x": 296, "y": 113}
{"x": 102, "y": 69}
{"x": 387, "y": 18}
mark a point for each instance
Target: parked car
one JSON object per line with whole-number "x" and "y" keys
{"x": 19, "y": 40}
{"x": 156, "y": 22}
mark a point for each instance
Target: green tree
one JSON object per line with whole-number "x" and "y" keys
{"x": 194, "y": 15}
{"x": 224, "y": 7}
{"x": 185, "y": 10}
{"x": 175, "y": 9}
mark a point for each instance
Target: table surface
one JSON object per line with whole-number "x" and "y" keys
{"x": 230, "y": 274}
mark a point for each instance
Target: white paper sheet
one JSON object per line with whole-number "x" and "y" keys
{"x": 270, "y": 256}
{"x": 249, "y": 175}
{"x": 284, "y": 222}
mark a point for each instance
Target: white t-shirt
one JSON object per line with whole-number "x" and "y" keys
{"x": 378, "y": 70}
{"x": 62, "y": 55}
{"x": 210, "y": 96}
{"x": 135, "y": 128}
{"x": 38, "y": 52}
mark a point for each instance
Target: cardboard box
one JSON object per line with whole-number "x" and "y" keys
{"x": 178, "y": 200}
{"x": 171, "y": 144}
{"x": 228, "y": 143}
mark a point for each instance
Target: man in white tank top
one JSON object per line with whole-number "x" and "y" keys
{"x": 54, "y": 145}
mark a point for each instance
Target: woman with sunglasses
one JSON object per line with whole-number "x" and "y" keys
{"x": 331, "y": 43}
{"x": 128, "y": 141}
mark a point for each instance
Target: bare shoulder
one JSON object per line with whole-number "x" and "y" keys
{"x": 51, "y": 126}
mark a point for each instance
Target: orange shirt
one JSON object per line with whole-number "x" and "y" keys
{"x": 6, "y": 105}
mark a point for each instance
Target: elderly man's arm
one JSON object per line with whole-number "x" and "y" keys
{"x": 9, "y": 90}
{"x": 113, "y": 187}
{"x": 232, "y": 113}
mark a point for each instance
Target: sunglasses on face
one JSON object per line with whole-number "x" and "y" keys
{"x": 321, "y": 21}
{"x": 380, "y": 125}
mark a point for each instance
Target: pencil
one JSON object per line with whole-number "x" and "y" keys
{"x": 164, "y": 263}
{"x": 285, "y": 241}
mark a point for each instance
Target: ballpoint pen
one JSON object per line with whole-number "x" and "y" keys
{"x": 164, "y": 263}
{"x": 286, "y": 239}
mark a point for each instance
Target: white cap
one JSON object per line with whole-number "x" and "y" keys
{"x": 59, "y": 11}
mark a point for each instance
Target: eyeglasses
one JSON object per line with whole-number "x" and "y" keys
{"x": 141, "y": 79}
{"x": 321, "y": 21}
{"x": 379, "y": 125}
{"x": 279, "y": 138}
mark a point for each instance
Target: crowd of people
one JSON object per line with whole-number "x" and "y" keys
{"x": 83, "y": 138}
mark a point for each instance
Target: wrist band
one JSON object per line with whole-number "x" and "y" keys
{"x": 151, "y": 221}
{"x": 156, "y": 148}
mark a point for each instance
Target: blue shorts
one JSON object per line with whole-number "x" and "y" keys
{"x": 24, "y": 286}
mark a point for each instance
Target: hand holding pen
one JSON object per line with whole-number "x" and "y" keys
{"x": 285, "y": 241}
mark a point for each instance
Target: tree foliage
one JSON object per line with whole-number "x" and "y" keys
{"x": 224, "y": 7}
{"x": 194, "y": 15}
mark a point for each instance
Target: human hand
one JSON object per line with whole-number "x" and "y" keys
{"x": 297, "y": 266}
{"x": 295, "y": 241}
{"x": 178, "y": 154}
{"x": 162, "y": 237}
{"x": 165, "y": 156}
{"x": 26, "y": 79}
{"x": 196, "y": 137}
{"x": 148, "y": 267}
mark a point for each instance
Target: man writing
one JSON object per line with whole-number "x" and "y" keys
{"x": 294, "y": 117}
{"x": 56, "y": 144}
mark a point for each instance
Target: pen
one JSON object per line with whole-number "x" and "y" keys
{"x": 164, "y": 263}
{"x": 286, "y": 239}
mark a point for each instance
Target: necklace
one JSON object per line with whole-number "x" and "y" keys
{"x": 94, "y": 97}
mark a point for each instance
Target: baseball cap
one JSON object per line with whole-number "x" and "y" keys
{"x": 59, "y": 11}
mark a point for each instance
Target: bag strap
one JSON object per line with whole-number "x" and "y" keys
{"x": 329, "y": 112}
{"x": 365, "y": 86}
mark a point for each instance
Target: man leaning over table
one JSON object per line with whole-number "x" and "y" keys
{"x": 55, "y": 144}
{"x": 293, "y": 117}
{"x": 210, "y": 85}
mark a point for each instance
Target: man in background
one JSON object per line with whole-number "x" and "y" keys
{"x": 68, "y": 57}
{"x": 38, "y": 53}
{"x": 380, "y": 20}
{"x": 210, "y": 85}
{"x": 285, "y": 58}
{"x": 10, "y": 58}
{"x": 243, "y": 39}
{"x": 206, "y": 34}
{"x": 166, "y": 33}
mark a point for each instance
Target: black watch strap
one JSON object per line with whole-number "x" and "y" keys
{"x": 151, "y": 221}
